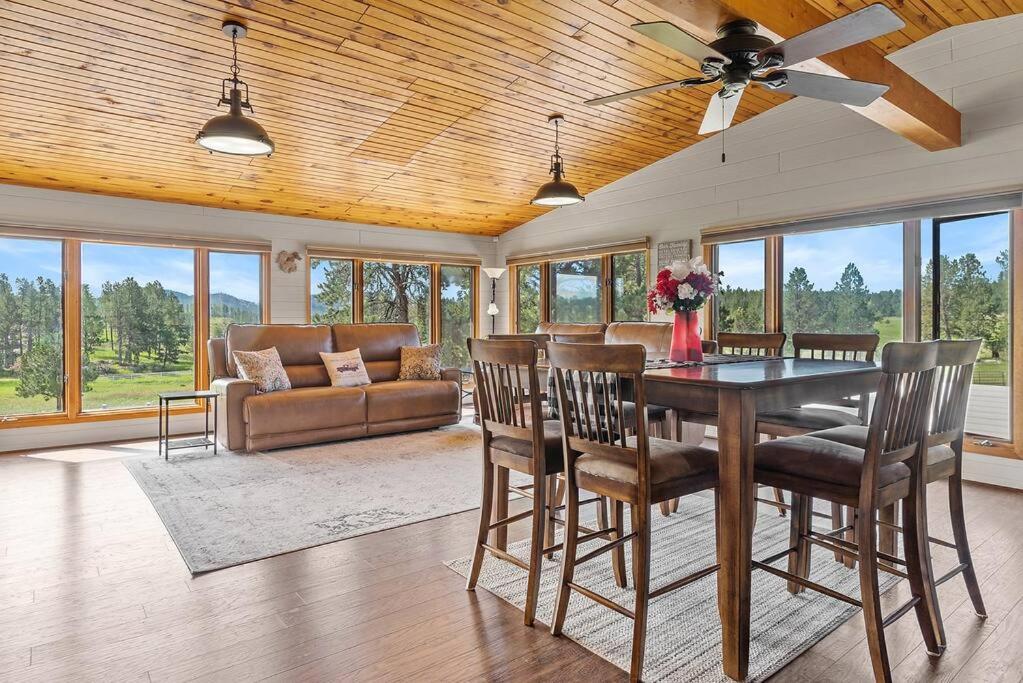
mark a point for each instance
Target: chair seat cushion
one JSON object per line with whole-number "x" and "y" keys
{"x": 306, "y": 409}
{"x": 810, "y": 419}
{"x": 671, "y": 463}
{"x": 523, "y": 448}
{"x": 387, "y": 401}
{"x": 940, "y": 458}
{"x": 654, "y": 413}
{"x": 814, "y": 458}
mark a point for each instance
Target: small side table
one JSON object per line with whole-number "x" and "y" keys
{"x": 465, "y": 378}
{"x": 165, "y": 443}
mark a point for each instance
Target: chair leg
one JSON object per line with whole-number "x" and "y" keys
{"x": 918, "y": 566}
{"x": 675, "y": 503}
{"x": 548, "y": 539}
{"x": 538, "y": 530}
{"x": 872, "y": 617}
{"x": 641, "y": 567}
{"x": 567, "y": 554}
{"x": 665, "y": 506}
{"x": 779, "y": 496}
{"x": 885, "y": 534}
{"x": 500, "y": 506}
{"x": 486, "y": 501}
{"x": 837, "y": 522}
{"x": 798, "y": 528}
{"x": 618, "y": 554}
{"x": 957, "y": 513}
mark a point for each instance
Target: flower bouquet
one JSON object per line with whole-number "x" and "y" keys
{"x": 684, "y": 288}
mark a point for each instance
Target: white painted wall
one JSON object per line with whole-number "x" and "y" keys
{"x": 807, "y": 158}
{"x": 32, "y": 206}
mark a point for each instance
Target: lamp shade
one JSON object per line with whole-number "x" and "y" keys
{"x": 557, "y": 192}
{"x": 233, "y": 133}
{"x": 494, "y": 273}
{"x": 492, "y": 309}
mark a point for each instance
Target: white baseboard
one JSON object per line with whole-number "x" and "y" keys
{"x": 988, "y": 469}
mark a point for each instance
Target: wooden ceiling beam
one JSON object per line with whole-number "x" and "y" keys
{"x": 908, "y": 108}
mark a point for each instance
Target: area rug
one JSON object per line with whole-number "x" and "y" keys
{"x": 231, "y": 508}
{"x": 684, "y": 633}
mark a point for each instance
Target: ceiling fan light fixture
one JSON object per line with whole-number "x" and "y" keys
{"x": 557, "y": 192}
{"x": 234, "y": 133}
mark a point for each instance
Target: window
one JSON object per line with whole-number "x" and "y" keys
{"x": 527, "y": 298}
{"x": 972, "y": 297}
{"x": 629, "y": 279}
{"x": 397, "y": 293}
{"x": 576, "y": 294}
{"x": 138, "y": 324}
{"x": 235, "y": 291}
{"x": 31, "y": 327}
{"x": 834, "y": 282}
{"x": 740, "y": 303}
{"x": 331, "y": 290}
{"x": 456, "y": 304}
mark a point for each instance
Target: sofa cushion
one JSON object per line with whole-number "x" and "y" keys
{"x": 420, "y": 362}
{"x": 386, "y": 401}
{"x": 296, "y": 344}
{"x": 345, "y": 368}
{"x": 569, "y": 328}
{"x": 380, "y": 345}
{"x": 304, "y": 409}
{"x": 264, "y": 368}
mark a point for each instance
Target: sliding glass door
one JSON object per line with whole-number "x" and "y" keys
{"x": 965, "y": 294}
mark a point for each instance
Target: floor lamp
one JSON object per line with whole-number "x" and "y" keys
{"x": 492, "y": 310}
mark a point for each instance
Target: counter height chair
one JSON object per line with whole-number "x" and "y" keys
{"x": 516, "y": 437}
{"x": 803, "y": 419}
{"x": 638, "y": 470}
{"x": 887, "y": 470}
{"x": 956, "y": 360}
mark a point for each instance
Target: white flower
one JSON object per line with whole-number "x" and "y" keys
{"x": 680, "y": 269}
{"x": 686, "y": 291}
{"x": 699, "y": 266}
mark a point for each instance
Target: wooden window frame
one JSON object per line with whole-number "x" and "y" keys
{"x": 435, "y": 266}
{"x": 911, "y": 310}
{"x": 606, "y": 280}
{"x": 72, "y": 243}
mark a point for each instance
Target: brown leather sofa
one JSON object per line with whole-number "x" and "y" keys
{"x": 313, "y": 411}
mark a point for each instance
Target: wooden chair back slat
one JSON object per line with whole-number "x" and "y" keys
{"x": 835, "y": 346}
{"x": 956, "y": 360}
{"x": 507, "y": 406}
{"x": 751, "y": 343}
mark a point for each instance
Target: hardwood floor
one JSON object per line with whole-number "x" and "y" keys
{"x": 91, "y": 588}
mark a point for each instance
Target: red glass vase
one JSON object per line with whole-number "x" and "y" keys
{"x": 685, "y": 338}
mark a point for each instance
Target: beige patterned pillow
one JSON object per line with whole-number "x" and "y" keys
{"x": 420, "y": 362}
{"x": 264, "y": 368}
{"x": 345, "y": 368}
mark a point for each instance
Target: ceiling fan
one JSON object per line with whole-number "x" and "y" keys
{"x": 739, "y": 57}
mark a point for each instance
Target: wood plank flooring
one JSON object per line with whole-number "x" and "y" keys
{"x": 92, "y": 588}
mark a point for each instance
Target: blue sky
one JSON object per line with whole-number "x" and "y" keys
{"x": 235, "y": 274}
{"x": 876, "y": 250}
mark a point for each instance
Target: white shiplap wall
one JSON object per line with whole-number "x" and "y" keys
{"x": 30, "y": 206}
{"x": 807, "y": 158}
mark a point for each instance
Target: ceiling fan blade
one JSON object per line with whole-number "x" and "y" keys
{"x": 869, "y": 22}
{"x": 636, "y": 93}
{"x": 672, "y": 36}
{"x": 719, "y": 112}
{"x": 831, "y": 88}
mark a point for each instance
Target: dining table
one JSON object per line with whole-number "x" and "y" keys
{"x": 735, "y": 392}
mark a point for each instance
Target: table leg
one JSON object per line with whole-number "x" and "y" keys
{"x": 166, "y": 431}
{"x": 216, "y": 408}
{"x": 206, "y": 429}
{"x": 159, "y": 419}
{"x": 736, "y": 434}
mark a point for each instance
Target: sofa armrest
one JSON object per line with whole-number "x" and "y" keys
{"x": 451, "y": 375}
{"x": 231, "y": 394}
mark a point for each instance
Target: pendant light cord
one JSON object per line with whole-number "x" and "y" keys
{"x": 234, "y": 61}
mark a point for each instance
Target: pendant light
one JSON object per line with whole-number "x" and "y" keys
{"x": 557, "y": 192}
{"x": 232, "y": 133}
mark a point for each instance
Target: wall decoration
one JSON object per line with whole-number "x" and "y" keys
{"x": 287, "y": 261}
{"x": 678, "y": 250}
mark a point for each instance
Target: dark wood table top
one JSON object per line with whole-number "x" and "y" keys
{"x": 762, "y": 373}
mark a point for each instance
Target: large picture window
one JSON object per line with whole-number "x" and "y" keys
{"x": 397, "y": 293}
{"x": 236, "y": 290}
{"x": 606, "y": 288}
{"x": 31, "y": 327}
{"x": 331, "y": 291}
{"x": 456, "y": 307}
{"x": 739, "y": 305}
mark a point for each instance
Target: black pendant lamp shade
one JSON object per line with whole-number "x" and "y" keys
{"x": 558, "y": 192}
{"x": 233, "y": 133}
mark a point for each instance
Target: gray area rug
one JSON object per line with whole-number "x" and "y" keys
{"x": 231, "y": 508}
{"x": 684, "y": 633}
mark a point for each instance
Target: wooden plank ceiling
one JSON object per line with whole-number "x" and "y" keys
{"x": 422, "y": 113}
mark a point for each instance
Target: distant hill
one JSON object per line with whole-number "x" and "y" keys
{"x": 220, "y": 300}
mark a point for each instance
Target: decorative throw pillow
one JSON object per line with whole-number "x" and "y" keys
{"x": 264, "y": 368}
{"x": 345, "y": 368}
{"x": 420, "y": 362}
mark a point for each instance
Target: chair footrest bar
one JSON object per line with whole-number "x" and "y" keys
{"x": 778, "y": 555}
{"x": 684, "y": 581}
{"x": 604, "y": 548}
{"x": 899, "y": 612}
{"x": 943, "y": 543}
{"x": 806, "y": 583}
{"x": 774, "y": 503}
{"x": 852, "y": 547}
{"x": 600, "y": 599}
{"x": 956, "y": 571}
{"x": 554, "y": 548}
{"x": 498, "y": 553}
{"x": 842, "y": 550}
{"x": 561, "y": 508}
{"x": 511, "y": 520}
